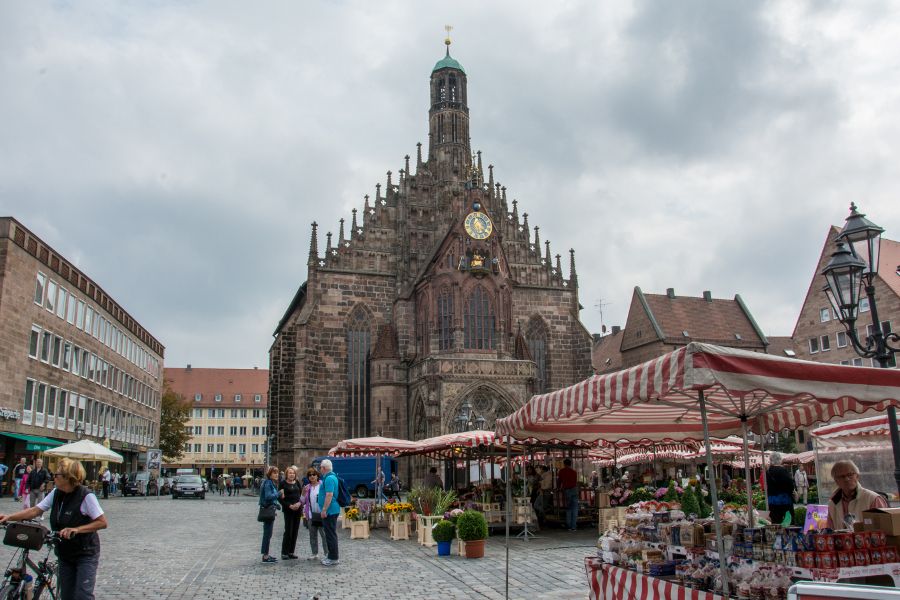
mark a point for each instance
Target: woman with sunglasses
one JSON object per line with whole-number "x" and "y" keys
{"x": 76, "y": 515}
{"x": 312, "y": 509}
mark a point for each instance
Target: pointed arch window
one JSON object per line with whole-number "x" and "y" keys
{"x": 359, "y": 400}
{"x": 445, "y": 320}
{"x": 536, "y": 338}
{"x": 480, "y": 321}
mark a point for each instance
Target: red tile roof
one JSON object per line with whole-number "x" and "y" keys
{"x": 714, "y": 321}
{"x": 227, "y": 382}
{"x": 889, "y": 264}
{"x": 606, "y": 355}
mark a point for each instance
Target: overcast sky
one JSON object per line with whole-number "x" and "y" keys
{"x": 178, "y": 152}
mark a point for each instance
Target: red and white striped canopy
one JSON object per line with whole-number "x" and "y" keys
{"x": 444, "y": 444}
{"x": 371, "y": 445}
{"x": 875, "y": 426}
{"x": 800, "y": 458}
{"x": 658, "y": 399}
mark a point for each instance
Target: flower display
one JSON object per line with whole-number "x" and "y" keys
{"x": 398, "y": 508}
{"x": 354, "y": 514}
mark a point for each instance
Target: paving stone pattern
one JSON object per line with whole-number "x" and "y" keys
{"x": 209, "y": 550}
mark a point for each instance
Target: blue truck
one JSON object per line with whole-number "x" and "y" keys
{"x": 358, "y": 472}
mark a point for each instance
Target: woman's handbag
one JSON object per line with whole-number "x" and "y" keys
{"x": 266, "y": 514}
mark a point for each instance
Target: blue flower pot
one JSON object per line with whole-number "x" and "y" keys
{"x": 443, "y": 548}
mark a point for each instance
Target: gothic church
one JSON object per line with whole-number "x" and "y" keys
{"x": 437, "y": 309}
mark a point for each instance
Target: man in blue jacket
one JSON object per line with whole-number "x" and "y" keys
{"x": 330, "y": 512}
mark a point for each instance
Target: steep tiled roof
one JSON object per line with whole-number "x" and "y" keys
{"x": 227, "y": 382}
{"x": 715, "y": 320}
{"x": 606, "y": 354}
{"x": 386, "y": 344}
{"x": 889, "y": 264}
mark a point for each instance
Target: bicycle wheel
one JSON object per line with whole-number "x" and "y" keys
{"x": 52, "y": 590}
{"x": 10, "y": 591}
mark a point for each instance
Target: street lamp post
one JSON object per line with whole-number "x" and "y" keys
{"x": 851, "y": 270}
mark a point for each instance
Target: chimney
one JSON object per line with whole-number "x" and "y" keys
{"x": 670, "y": 292}
{"x": 707, "y": 295}
{"x": 188, "y": 367}
{"x": 616, "y": 329}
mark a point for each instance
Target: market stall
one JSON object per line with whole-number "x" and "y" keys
{"x": 698, "y": 391}
{"x": 866, "y": 442}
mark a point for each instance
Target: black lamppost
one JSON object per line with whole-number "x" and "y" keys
{"x": 852, "y": 270}
{"x": 467, "y": 419}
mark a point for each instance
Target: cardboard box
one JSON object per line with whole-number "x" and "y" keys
{"x": 884, "y": 519}
{"x": 858, "y": 526}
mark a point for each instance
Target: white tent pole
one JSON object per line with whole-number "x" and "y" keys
{"x": 714, "y": 496}
{"x": 748, "y": 478}
{"x": 508, "y": 502}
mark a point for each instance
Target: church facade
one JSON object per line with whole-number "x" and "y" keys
{"x": 437, "y": 309}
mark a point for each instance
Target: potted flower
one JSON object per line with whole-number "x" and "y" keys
{"x": 473, "y": 530}
{"x": 443, "y": 533}
{"x": 359, "y": 523}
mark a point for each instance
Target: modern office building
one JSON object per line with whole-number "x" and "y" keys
{"x": 73, "y": 362}
{"x": 228, "y": 419}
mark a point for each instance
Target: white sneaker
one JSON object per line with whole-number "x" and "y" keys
{"x": 313, "y": 557}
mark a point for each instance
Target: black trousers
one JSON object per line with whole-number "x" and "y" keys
{"x": 291, "y": 528}
{"x": 105, "y": 490}
{"x": 329, "y": 523}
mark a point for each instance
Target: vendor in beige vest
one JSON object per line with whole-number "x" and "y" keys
{"x": 850, "y": 497}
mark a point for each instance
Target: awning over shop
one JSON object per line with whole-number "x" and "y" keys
{"x": 34, "y": 442}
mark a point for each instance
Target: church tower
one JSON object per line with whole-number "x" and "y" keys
{"x": 449, "y": 152}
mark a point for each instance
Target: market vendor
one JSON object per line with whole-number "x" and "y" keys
{"x": 850, "y": 499}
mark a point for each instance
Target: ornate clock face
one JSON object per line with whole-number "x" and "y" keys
{"x": 478, "y": 225}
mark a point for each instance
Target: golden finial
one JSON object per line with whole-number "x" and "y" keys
{"x": 447, "y": 41}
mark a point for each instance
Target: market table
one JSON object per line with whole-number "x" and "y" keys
{"x": 615, "y": 583}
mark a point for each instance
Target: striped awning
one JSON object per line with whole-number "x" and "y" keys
{"x": 658, "y": 399}
{"x": 447, "y": 442}
{"x": 371, "y": 445}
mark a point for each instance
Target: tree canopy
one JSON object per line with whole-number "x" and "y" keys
{"x": 174, "y": 415}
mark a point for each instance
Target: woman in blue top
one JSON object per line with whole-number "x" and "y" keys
{"x": 268, "y": 496}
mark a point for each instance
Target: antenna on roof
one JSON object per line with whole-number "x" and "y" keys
{"x": 599, "y": 306}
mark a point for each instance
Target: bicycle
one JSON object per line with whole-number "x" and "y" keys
{"x": 16, "y": 579}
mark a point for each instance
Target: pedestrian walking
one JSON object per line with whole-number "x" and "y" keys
{"x": 330, "y": 511}
{"x": 568, "y": 483}
{"x": 37, "y": 483}
{"x": 18, "y": 474}
{"x": 3, "y": 470}
{"x": 801, "y": 485}
{"x": 23, "y": 488}
{"x": 76, "y": 515}
{"x": 780, "y": 490}
{"x": 228, "y": 486}
{"x": 105, "y": 479}
{"x": 394, "y": 486}
{"x": 312, "y": 512}
{"x": 268, "y": 497}
{"x": 289, "y": 496}
{"x": 378, "y": 482}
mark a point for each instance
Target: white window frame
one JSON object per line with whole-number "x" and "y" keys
{"x": 824, "y": 315}
{"x": 50, "y": 299}
{"x": 218, "y": 397}
{"x": 198, "y": 397}
{"x": 40, "y": 404}
{"x": 825, "y": 343}
{"x": 814, "y": 345}
{"x": 257, "y": 398}
{"x": 61, "y": 301}
{"x": 34, "y": 341}
{"x": 40, "y": 288}
{"x": 237, "y": 397}
{"x": 46, "y": 346}
{"x": 72, "y": 309}
{"x": 50, "y": 407}
{"x": 28, "y": 401}
{"x": 841, "y": 335}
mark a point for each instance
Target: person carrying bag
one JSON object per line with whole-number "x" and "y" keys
{"x": 312, "y": 511}
{"x": 268, "y": 505}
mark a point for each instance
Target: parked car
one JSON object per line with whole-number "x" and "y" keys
{"x": 188, "y": 486}
{"x": 137, "y": 484}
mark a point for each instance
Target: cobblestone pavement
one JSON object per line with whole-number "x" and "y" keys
{"x": 193, "y": 549}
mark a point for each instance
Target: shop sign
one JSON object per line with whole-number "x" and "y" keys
{"x": 8, "y": 413}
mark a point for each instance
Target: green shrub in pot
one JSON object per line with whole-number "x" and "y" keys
{"x": 443, "y": 531}
{"x": 472, "y": 525}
